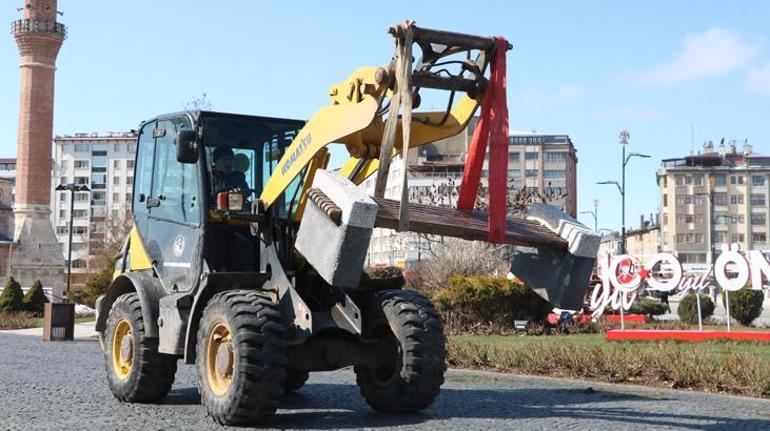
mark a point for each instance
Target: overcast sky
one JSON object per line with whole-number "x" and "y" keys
{"x": 588, "y": 69}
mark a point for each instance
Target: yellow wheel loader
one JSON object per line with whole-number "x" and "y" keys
{"x": 245, "y": 257}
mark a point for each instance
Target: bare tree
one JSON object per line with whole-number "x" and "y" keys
{"x": 198, "y": 103}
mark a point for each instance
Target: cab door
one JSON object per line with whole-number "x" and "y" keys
{"x": 143, "y": 176}
{"x": 174, "y": 219}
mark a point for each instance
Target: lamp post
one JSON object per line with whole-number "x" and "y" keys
{"x": 624, "y": 137}
{"x": 595, "y": 214}
{"x": 72, "y": 188}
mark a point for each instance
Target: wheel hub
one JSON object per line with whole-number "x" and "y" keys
{"x": 220, "y": 359}
{"x": 122, "y": 349}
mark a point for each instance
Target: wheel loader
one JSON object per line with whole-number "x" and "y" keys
{"x": 245, "y": 256}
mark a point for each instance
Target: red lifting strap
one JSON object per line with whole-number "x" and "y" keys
{"x": 492, "y": 127}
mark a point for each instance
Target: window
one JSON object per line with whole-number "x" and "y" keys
{"x": 736, "y": 179}
{"x": 680, "y": 219}
{"x": 680, "y": 200}
{"x": 81, "y": 164}
{"x": 736, "y": 199}
{"x": 62, "y": 180}
{"x": 698, "y": 238}
{"x": 81, "y": 197}
{"x": 665, "y": 219}
{"x": 680, "y": 238}
{"x": 741, "y": 219}
{"x": 698, "y": 200}
{"x": 80, "y": 230}
{"x": 61, "y": 230}
{"x": 692, "y": 257}
{"x": 178, "y": 182}
{"x": 65, "y": 164}
{"x": 129, "y": 181}
{"x": 552, "y": 156}
{"x": 98, "y": 198}
{"x": 128, "y": 198}
{"x": 116, "y": 181}
{"x": 80, "y": 214}
{"x": 514, "y": 174}
{"x": 63, "y": 196}
{"x": 530, "y": 173}
{"x": 721, "y": 219}
{"x": 720, "y": 198}
{"x": 689, "y": 218}
{"x": 698, "y": 218}
{"x": 737, "y": 237}
{"x": 82, "y": 147}
{"x": 115, "y": 197}
{"x": 131, "y": 148}
{"x": 555, "y": 174}
{"x": 81, "y": 180}
{"x": 720, "y": 237}
{"x": 116, "y": 164}
{"x": 79, "y": 263}
{"x": 759, "y": 237}
{"x": 129, "y": 164}
{"x": 758, "y": 218}
{"x": 680, "y": 180}
{"x": 758, "y": 199}
{"x": 62, "y": 213}
{"x": 665, "y": 200}
{"x": 531, "y": 156}
{"x": 720, "y": 180}
{"x": 757, "y": 180}
{"x": 697, "y": 180}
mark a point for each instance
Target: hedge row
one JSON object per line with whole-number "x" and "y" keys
{"x": 13, "y": 298}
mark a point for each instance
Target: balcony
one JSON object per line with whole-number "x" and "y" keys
{"x": 38, "y": 26}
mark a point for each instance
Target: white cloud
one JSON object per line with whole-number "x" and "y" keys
{"x": 631, "y": 113}
{"x": 758, "y": 79}
{"x": 538, "y": 100}
{"x": 715, "y": 52}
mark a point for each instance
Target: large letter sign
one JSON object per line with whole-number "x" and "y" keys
{"x": 741, "y": 266}
{"x": 620, "y": 282}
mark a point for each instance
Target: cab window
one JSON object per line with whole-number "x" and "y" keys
{"x": 175, "y": 184}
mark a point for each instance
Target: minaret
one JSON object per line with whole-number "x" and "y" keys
{"x": 35, "y": 253}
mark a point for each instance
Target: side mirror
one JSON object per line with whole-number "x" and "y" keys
{"x": 187, "y": 146}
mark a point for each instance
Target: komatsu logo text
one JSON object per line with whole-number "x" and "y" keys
{"x": 303, "y": 144}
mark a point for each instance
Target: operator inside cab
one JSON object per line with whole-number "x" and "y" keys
{"x": 227, "y": 172}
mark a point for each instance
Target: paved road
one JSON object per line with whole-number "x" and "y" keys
{"x": 61, "y": 386}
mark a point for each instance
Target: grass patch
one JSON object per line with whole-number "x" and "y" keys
{"x": 727, "y": 367}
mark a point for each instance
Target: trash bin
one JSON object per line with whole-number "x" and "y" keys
{"x": 58, "y": 322}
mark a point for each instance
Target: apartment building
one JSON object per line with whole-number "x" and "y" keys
{"x": 541, "y": 163}
{"x": 104, "y": 163}
{"x": 717, "y": 197}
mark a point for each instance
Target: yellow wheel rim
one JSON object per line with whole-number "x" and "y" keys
{"x": 123, "y": 349}
{"x": 220, "y": 360}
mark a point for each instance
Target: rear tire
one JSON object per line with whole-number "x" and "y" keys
{"x": 410, "y": 363}
{"x": 241, "y": 357}
{"x": 136, "y": 372}
{"x": 295, "y": 379}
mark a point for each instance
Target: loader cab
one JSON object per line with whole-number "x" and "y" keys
{"x": 174, "y": 203}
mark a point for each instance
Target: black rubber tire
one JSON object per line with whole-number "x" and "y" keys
{"x": 259, "y": 351}
{"x": 414, "y": 368}
{"x": 295, "y": 379}
{"x": 152, "y": 373}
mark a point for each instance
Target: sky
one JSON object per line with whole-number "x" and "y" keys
{"x": 671, "y": 73}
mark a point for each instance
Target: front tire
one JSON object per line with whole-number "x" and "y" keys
{"x": 136, "y": 372}
{"x": 241, "y": 357}
{"x": 408, "y": 371}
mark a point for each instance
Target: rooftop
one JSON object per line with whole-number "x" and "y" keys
{"x": 84, "y": 136}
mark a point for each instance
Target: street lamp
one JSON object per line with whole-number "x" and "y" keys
{"x": 595, "y": 214}
{"x": 72, "y": 189}
{"x": 624, "y": 137}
